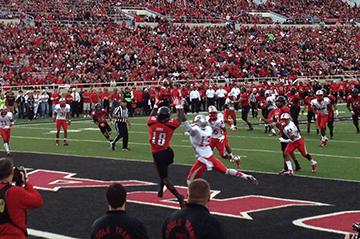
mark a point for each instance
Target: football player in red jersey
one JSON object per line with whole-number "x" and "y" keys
{"x": 99, "y": 117}
{"x": 353, "y": 105}
{"x": 310, "y": 111}
{"x": 294, "y": 104}
{"x": 245, "y": 106}
{"x": 161, "y": 130}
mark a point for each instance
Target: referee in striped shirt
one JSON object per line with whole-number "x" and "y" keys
{"x": 121, "y": 117}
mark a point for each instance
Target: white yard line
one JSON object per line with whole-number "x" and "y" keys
{"x": 184, "y": 146}
{"x": 182, "y": 164}
{"x": 47, "y": 235}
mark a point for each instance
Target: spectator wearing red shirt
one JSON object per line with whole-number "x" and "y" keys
{"x": 138, "y": 100}
{"x": 105, "y": 99}
{"x": 17, "y": 200}
{"x": 94, "y": 97}
{"x": 115, "y": 99}
{"x": 86, "y": 103}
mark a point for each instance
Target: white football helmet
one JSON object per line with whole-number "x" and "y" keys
{"x": 200, "y": 120}
{"x": 285, "y": 116}
{"x": 212, "y": 112}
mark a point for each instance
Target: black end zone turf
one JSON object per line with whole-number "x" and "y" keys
{"x": 71, "y": 211}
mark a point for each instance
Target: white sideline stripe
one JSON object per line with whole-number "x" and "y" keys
{"x": 180, "y": 134}
{"x": 185, "y": 146}
{"x": 47, "y": 235}
{"x": 182, "y": 164}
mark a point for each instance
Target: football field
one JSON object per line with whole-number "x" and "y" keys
{"x": 72, "y": 180}
{"x": 259, "y": 152}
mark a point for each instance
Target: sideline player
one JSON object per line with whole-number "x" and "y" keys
{"x": 99, "y": 117}
{"x": 60, "y": 114}
{"x": 6, "y": 122}
{"x": 161, "y": 130}
{"x": 353, "y": 105}
{"x": 321, "y": 106}
{"x": 200, "y": 135}
{"x": 294, "y": 141}
{"x": 245, "y": 106}
{"x": 219, "y": 139}
{"x": 310, "y": 111}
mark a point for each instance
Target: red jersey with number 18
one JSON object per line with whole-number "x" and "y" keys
{"x": 160, "y": 134}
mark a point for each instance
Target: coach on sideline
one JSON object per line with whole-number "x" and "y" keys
{"x": 194, "y": 220}
{"x": 115, "y": 223}
{"x": 14, "y": 200}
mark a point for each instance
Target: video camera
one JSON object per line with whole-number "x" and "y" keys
{"x": 19, "y": 176}
{"x": 356, "y": 228}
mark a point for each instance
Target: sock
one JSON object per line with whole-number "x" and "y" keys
{"x": 285, "y": 167}
{"x": 308, "y": 156}
{"x": 289, "y": 165}
{"x": 233, "y": 172}
{"x": 297, "y": 163}
{"x": 6, "y": 147}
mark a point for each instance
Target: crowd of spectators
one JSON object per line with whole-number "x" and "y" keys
{"x": 189, "y": 10}
{"x": 65, "y": 54}
{"x": 308, "y": 11}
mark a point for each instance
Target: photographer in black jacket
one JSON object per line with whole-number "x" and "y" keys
{"x": 116, "y": 223}
{"x": 194, "y": 220}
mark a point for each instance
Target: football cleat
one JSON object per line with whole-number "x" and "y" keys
{"x": 323, "y": 143}
{"x": 314, "y": 168}
{"x": 233, "y": 127}
{"x": 66, "y": 143}
{"x": 288, "y": 173}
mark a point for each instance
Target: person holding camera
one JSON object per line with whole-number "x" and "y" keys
{"x": 116, "y": 223}
{"x": 15, "y": 200}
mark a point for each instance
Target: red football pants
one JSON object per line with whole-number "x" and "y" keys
{"x": 5, "y": 135}
{"x": 229, "y": 113}
{"x": 299, "y": 145}
{"x": 63, "y": 124}
{"x": 198, "y": 168}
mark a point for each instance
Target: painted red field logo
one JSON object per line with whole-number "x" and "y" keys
{"x": 238, "y": 207}
{"x": 54, "y": 180}
{"x": 339, "y": 222}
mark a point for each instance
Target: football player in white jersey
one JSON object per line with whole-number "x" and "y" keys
{"x": 6, "y": 123}
{"x": 200, "y": 136}
{"x": 294, "y": 141}
{"x": 321, "y": 106}
{"x": 60, "y": 115}
{"x": 230, "y": 111}
{"x": 219, "y": 138}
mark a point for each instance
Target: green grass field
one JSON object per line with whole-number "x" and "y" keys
{"x": 340, "y": 159}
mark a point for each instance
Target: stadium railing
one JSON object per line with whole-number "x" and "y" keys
{"x": 148, "y": 84}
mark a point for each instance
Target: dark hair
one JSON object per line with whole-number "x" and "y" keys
{"x": 116, "y": 195}
{"x": 6, "y": 167}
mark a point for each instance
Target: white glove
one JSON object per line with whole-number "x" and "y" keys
{"x": 282, "y": 140}
{"x": 187, "y": 133}
{"x": 352, "y": 112}
{"x": 250, "y": 178}
{"x": 337, "y": 113}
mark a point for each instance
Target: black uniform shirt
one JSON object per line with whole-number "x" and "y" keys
{"x": 192, "y": 222}
{"x": 118, "y": 225}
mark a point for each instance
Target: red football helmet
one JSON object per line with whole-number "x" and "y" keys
{"x": 212, "y": 112}
{"x": 4, "y": 110}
